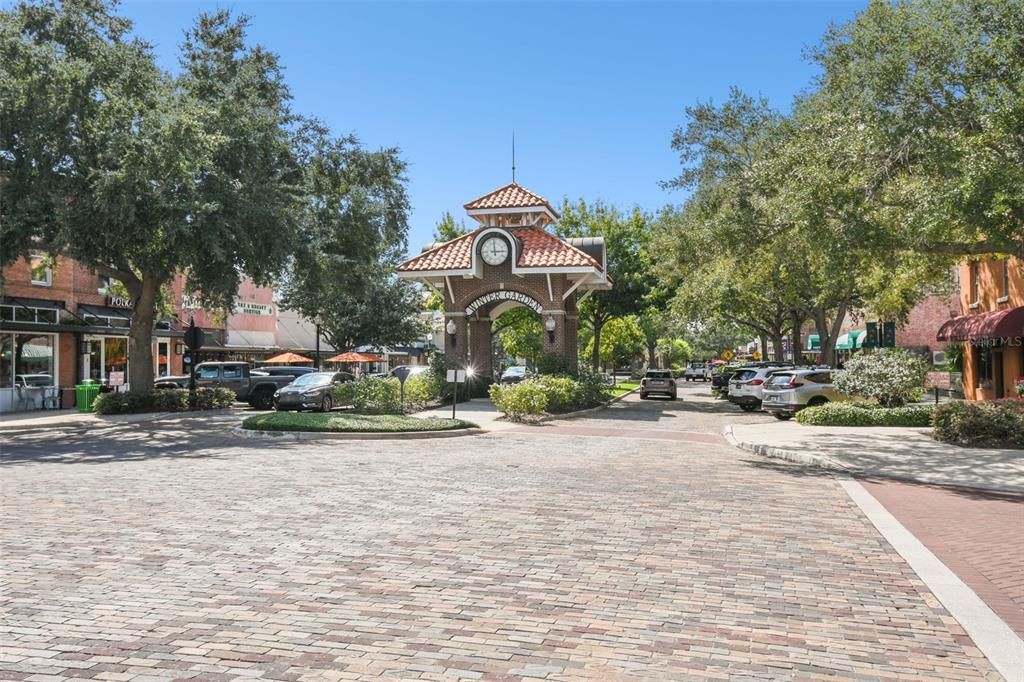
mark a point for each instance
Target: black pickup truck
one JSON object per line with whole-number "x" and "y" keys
{"x": 256, "y": 389}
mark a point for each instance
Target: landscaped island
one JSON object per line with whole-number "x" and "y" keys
{"x": 350, "y": 423}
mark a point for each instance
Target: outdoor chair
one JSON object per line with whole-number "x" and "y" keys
{"x": 51, "y": 397}
{"x": 23, "y": 398}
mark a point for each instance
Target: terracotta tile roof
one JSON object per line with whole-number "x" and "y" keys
{"x": 538, "y": 249}
{"x": 510, "y": 196}
{"x": 543, "y": 249}
{"x": 453, "y": 255}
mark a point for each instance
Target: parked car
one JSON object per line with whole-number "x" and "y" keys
{"x": 697, "y": 371}
{"x": 255, "y": 389}
{"x": 33, "y": 380}
{"x": 310, "y": 392}
{"x": 786, "y": 393}
{"x": 287, "y": 371}
{"x": 747, "y": 385}
{"x": 414, "y": 370}
{"x": 514, "y": 374}
{"x": 658, "y": 382}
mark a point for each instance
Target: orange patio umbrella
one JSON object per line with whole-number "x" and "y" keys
{"x": 352, "y": 356}
{"x": 288, "y": 359}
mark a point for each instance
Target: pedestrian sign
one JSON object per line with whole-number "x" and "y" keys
{"x": 727, "y": 355}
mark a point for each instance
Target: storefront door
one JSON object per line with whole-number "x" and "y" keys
{"x": 107, "y": 360}
{"x": 997, "y": 373}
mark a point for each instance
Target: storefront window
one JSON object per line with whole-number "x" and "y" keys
{"x": 115, "y": 360}
{"x": 33, "y": 355}
{"x": 163, "y": 359}
{"x": 6, "y": 360}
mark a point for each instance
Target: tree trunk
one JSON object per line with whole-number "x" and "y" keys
{"x": 652, "y": 354}
{"x": 595, "y": 356}
{"x": 140, "y": 336}
{"x": 828, "y": 332}
{"x": 796, "y": 340}
{"x": 777, "y": 351}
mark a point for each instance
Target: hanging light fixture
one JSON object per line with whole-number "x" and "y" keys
{"x": 451, "y": 329}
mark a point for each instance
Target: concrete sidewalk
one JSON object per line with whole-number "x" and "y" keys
{"x": 480, "y": 411}
{"x": 889, "y": 452}
{"x": 72, "y": 419}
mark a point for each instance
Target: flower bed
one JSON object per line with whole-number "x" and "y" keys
{"x": 163, "y": 400}
{"x": 865, "y": 414}
{"x": 994, "y": 424}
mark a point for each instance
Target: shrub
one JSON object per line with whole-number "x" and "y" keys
{"x": 997, "y": 424}
{"x": 527, "y": 398}
{"x": 164, "y": 400}
{"x": 370, "y": 395}
{"x": 556, "y": 363}
{"x": 865, "y": 414}
{"x": 891, "y": 376}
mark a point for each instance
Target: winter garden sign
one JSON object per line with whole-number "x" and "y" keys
{"x": 504, "y": 295}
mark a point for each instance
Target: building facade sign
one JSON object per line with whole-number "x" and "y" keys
{"x": 504, "y": 295}
{"x": 119, "y": 302}
{"x": 249, "y": 308}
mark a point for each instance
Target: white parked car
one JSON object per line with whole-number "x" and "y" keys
{"x": 697, "y": 371}
{"x": 786, "y": 393}
{"x": 746, "y": 386}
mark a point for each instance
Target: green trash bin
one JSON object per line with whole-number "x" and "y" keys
{"x": 85, "y": 394}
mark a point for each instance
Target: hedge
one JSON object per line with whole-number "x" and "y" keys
{"x": 382, "y": 395}
{"x": 162, "y": 400}
{"x": 865, "y": 414}
{"x": 553, "y": 394}
{"x": 994, "y": 424}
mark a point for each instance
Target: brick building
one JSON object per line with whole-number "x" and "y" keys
{"x": 991, "y": 327}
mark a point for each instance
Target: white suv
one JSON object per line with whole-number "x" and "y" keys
{"x": 746, "y": 386}
{"x": 786, "y": 393}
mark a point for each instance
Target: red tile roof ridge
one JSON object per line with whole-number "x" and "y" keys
{"x": 518, "y": 197}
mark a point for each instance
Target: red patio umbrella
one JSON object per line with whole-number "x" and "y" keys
{"x": 288, "y": 359}
{"x": 352, "y": 356}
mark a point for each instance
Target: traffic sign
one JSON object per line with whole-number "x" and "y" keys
{"x": 194, "y": 337}
{"x": 402, "y": 373}
{"x": 727, "y": 355}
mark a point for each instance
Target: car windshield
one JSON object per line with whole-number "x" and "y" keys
{"x": 744, "y": 374}
{"x": 779, "y": 379}
{"x": 662, "y": 374}
{"x": 313, "y": 379}
{"x": 515, "y": 370}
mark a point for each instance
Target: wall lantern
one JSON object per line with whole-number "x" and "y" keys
{"x": 179, "y": 348}
{"x": 83, "y": 347}
{"x": 451, "y": 328}
{"x": 549, "y": 325}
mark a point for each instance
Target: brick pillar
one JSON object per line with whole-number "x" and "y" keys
{"x": 460, "y": 351}
{"x": 480, "y": 346}
{"x": 572, "y": 326}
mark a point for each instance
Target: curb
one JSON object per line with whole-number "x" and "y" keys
{"x": 589, "y": 410}
{"x": 822, "y": 462}
{"x": 293, "y": 436}
{"x": 788, "y": 455}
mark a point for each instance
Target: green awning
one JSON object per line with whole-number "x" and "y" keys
{"x": 813, "y": 342}
{"x": 851, "y": 339}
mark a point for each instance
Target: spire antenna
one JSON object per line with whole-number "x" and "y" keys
{"x": 513, "y": 156}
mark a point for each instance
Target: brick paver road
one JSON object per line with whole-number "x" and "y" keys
{"x": 138, "y": 554}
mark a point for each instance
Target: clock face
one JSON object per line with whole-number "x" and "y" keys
{"x": 494, "y": 250}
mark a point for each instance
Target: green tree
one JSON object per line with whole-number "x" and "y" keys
{"x": 626, "y": 239}
{"x": 138, "y": 174}
{"x": 353, "y": 231}
{"x": 674, "y": 352}
{"x": 447, "y": 229}
{"x": 519, "y": 330}
{"x": 621, "y": 343}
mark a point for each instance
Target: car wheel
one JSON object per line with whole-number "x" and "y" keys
{"x": 264, "y": 400}
{"x": 814, "y": 402}
{"x": 673, "y": 396}
{"x": 747, "y": 407}
{"x": 327, "y": 404}
{"x": 783, "y": 416}
{"x": 643, "y": 396}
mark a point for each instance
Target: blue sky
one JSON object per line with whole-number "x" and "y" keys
{"x": 591, "y": 90}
